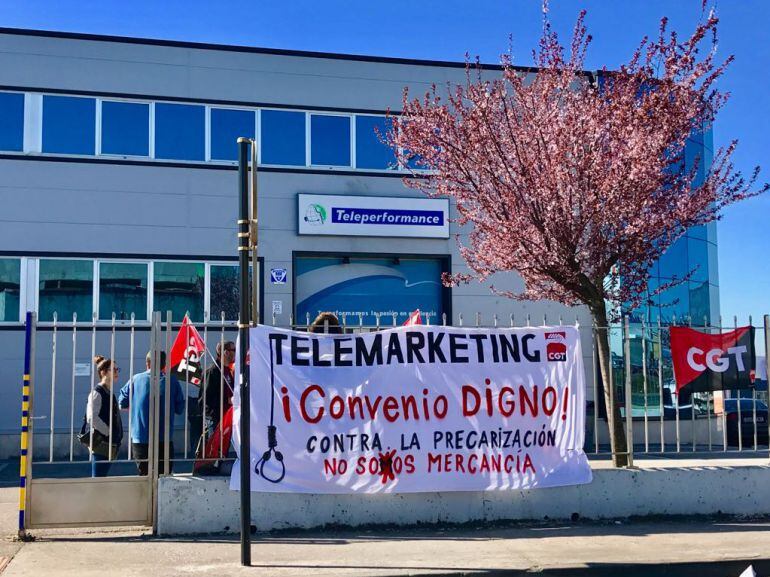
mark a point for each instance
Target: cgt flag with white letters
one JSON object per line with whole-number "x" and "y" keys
{"x": 713, "y": 362}
{"x": 415, "y": 408}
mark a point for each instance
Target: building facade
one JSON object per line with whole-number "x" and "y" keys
{"x": 119, "y": 196}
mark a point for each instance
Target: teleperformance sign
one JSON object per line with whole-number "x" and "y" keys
{"x": 415, "y": 409}
{"x": 373, "y": 216}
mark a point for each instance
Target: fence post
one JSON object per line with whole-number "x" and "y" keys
{"x": 629, "y": 415}
{"x": 53, "y": 389}
{"x": 154, "y": 422}
{"x": 660, "y": 388}
{"x": 167, "y": 399}
{"x": 72, "y": 391}
{"x": 25, "y": 462}
{"x": 767, "y": 361}
{"x": 595, "y": 380}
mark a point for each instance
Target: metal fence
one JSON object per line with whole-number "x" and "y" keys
{"x": 65, "y": 376}
{"x": 658, "y": 421}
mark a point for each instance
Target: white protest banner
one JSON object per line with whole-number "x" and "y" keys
{"x": 412, "y": 409}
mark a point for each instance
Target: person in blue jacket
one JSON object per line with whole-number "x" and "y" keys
{"x": 135, "y": 396}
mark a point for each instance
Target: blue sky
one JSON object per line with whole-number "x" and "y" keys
{"x": 447, "y": 29}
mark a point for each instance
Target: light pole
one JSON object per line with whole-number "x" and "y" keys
{"x": 244, "y": 237}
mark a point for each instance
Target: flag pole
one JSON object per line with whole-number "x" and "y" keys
{"x": 256, "y": 274}
{"x": 243, "y": 335}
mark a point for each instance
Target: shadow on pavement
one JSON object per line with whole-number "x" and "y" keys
{"x": 488, "y": 531}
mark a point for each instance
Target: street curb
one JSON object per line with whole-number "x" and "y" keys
{"x": 727, "y": 568}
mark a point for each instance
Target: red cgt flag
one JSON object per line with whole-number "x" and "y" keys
{"x": 713, "y": 362}
{"x": 186, "y": 354}
{"x": 414, "y": 319}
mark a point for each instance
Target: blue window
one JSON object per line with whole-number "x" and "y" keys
{"x": 122, "y": 290}
{"x": 371, "y": 152}
{"x": 10, "y": 289}
{"x": 700, "y": 302}
{"x": 224, "y": 290}
{"x": 178, "y": 287}
{"x": 226, "y": 127}
{"x": 69, "y": 124}
{"x": 66, "y": 287}
{"x": 180, "y": 131}
{"x": 11, "y": 121}
{"x": 330, "y": 140}
{"x": 697, "y": 259}
{"x": 675, "y": 303}
{"x": 673, "y": 263}
{"x": 415, "y": 162}
{"x": 283, "y": 137}
{"x": 126, "y": 128}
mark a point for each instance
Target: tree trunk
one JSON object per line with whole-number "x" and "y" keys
{"x": 615, "y": 422}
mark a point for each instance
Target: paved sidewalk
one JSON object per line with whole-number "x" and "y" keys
{"x": 696, "y": 547}
{"x": 699, "y": 548}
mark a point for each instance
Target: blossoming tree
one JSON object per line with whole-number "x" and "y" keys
{"x": 576, "y": 181}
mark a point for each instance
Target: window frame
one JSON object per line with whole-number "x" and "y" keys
{"x": 33, "y": 131}
{"x": 260, "y": 162}
{"x": 260, "y": 287}
{"x": 94, "y": 290}
{"x": 397, "y": 165}
{"x": 154, "y": 146}
{"x": 257, "y": 139}
{"x": 151, "y": 301}
{"x": 99, "y": 125}
{"x": 25, "y": 113}
{"x": 30, "y": 276}
{"x": 22, "y": 291}
{"x": 97, "y": 289}
{"x": 309, "y": 140}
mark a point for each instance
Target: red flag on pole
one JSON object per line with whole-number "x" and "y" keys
{"x": 216, "y": 446}
{"x": 186, "y": 354}
{"x": 414, "y": 319}
{"x": 713, "y": 362}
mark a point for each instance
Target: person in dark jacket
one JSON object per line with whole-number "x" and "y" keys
{"x": 103, "y": 422}
{"x": 219, "y": 384}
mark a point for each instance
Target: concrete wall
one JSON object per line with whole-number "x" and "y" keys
{"x": 196, "y": 505}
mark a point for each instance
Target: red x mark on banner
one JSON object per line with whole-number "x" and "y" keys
{"x": 386, "y": 466}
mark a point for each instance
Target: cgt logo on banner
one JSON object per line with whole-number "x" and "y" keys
{"x": 713, "y": 362}
{"x": 415, "y": 408}
{"x": 556, "y": 346}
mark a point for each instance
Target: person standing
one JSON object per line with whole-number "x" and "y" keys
{"x": 135, "y": 396}
{"x": 325, "y": 323}
{"x": 102, "y": 429}
{"x": 219, "y": 384}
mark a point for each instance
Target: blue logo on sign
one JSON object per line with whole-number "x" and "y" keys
{"x": 387, "y": 216}
{"x": 278, "y": 275}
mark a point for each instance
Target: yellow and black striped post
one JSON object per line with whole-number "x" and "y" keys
{"x": 25, "y": 400}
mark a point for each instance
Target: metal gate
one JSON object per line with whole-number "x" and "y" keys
{"x": 56, "y": 489}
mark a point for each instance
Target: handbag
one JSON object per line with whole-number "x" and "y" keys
{"x": 101, "y": 442}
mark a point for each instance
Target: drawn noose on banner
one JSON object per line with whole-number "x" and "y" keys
{"x": 272, "y": 440}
